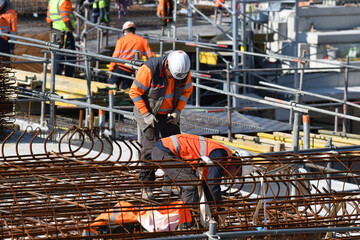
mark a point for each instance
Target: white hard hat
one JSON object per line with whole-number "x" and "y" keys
{"x": 2, "y": 2}
{"x": 179, "y": 64}
{"x": 241, "y": 153}
{"x": 127, "y": 25}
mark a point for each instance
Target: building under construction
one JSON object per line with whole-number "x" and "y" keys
{"x": 70, "y": 154}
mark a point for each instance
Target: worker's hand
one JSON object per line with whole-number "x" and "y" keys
{"x": 174, "y": 117}
{"x": 150, "y": 119}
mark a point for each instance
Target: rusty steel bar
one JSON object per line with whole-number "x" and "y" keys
{"x": 57, "y": 191}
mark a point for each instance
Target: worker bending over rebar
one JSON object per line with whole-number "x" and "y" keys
{"x": 190, "y": 147}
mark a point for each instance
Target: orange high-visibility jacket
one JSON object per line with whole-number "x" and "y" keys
{"x": 126, "y": 47}
{"x": 10, "y": 16}
{"x": 217, "y": 4}
{"x": 145, "y": 89}
{"x": 124, "y": 212}
{"x": 187, "y": 146}
{"x": 163, "y": 9}
{"x": 4, "y": 27}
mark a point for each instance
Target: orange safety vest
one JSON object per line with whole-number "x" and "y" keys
{"x": 217, "y": 3}
{"x": 152, "y": 84}
{"x": 163, "y": 9}
{"x": 10, "y": 16}
{"x": 4, "y": 27}
{"x": 187, "y": 146}
{"x": 125, "y": 212}
{"x": 126, "y": 48}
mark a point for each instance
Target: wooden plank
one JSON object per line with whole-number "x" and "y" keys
{"x": 251, "y": 147}
{"x": 340, "y": 134}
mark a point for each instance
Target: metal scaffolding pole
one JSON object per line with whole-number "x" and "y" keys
{"x": 42, "y": 114}
{"x": 235, "y": 35}
{"x": 51, "y": 124}
{"x": 190, "y": 23}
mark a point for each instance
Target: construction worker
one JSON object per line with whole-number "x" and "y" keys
{"x": 4, "y": 44}
{"x": 9, "y": 18}
{"x": 61, "y": 20}
{"x": 218, "y": 10}
{"x": 187, "y": 146}
{"x": 160, "y": 92}
{"x": 164, "y": 11}
{"x": 100, "y": 9}
{"x": 125, "y": 48}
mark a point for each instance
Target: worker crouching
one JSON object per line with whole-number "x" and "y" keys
{"x": 190, "y": 147}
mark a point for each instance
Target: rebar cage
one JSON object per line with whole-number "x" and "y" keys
{"x": 61, "y": 190}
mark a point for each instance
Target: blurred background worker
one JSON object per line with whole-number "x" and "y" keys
{"x": 164, "y": 11}
{"x": 187, "y": 146}
{"x": 4, "y": 43}
{"x": 9, "y": 18}
{"x": 160, "y": 92}
{"x": 218, "y": 11}
{"x": 100, "y": 9}
{"x": 126, "y": 48}
{"x": 61, "y": 19}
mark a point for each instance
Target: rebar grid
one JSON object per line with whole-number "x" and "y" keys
{"x": 7, "y": 97}
{"x": 57, "y": 193}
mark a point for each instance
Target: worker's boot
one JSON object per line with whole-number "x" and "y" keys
{"x": 147, "y": 193}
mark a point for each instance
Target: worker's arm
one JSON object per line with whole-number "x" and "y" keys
{"x": 48, "y": 19}
{"x": 65, "y": 11}
{"x": 185, "y": 94}
{"x": 116, "y": 54}
{"x": 140, "y": 86}
{"x": 13, "y": 21}
{"x": 161, "y": 9}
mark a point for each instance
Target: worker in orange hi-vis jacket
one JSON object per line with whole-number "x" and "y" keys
{"x": 160, "y": 92}
{"x": 164, "y": 11}
{"x": 188, "y": 146}
{"x": 191, "y": 147}
{"x": 125, "y": 48}
{"x": 61, "y": 20}
{"x": 8, "y": 14}
{"x": 4, "y": 40}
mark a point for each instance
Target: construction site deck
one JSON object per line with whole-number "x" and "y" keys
{"x": 68, "y": 173}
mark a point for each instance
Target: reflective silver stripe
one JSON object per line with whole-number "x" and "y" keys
{"x": 185, "y": 99}
{"x": 65, "y": 12}
{"x": 188, "y": 85}
{"x": 130, "y": 51}
{"x": 137, "y": 99}
{"x": 168, "y": 96}
{"x": 55, "y": 20}
{"x": 202, "y": 146}
{"x": 176, "y": 144}
{"x": 165, "y": 110}
{"x": 140, "y": 85}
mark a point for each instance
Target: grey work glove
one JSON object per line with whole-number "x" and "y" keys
{"x": 150, "y": 119}
{"x": 174, "y": 117}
